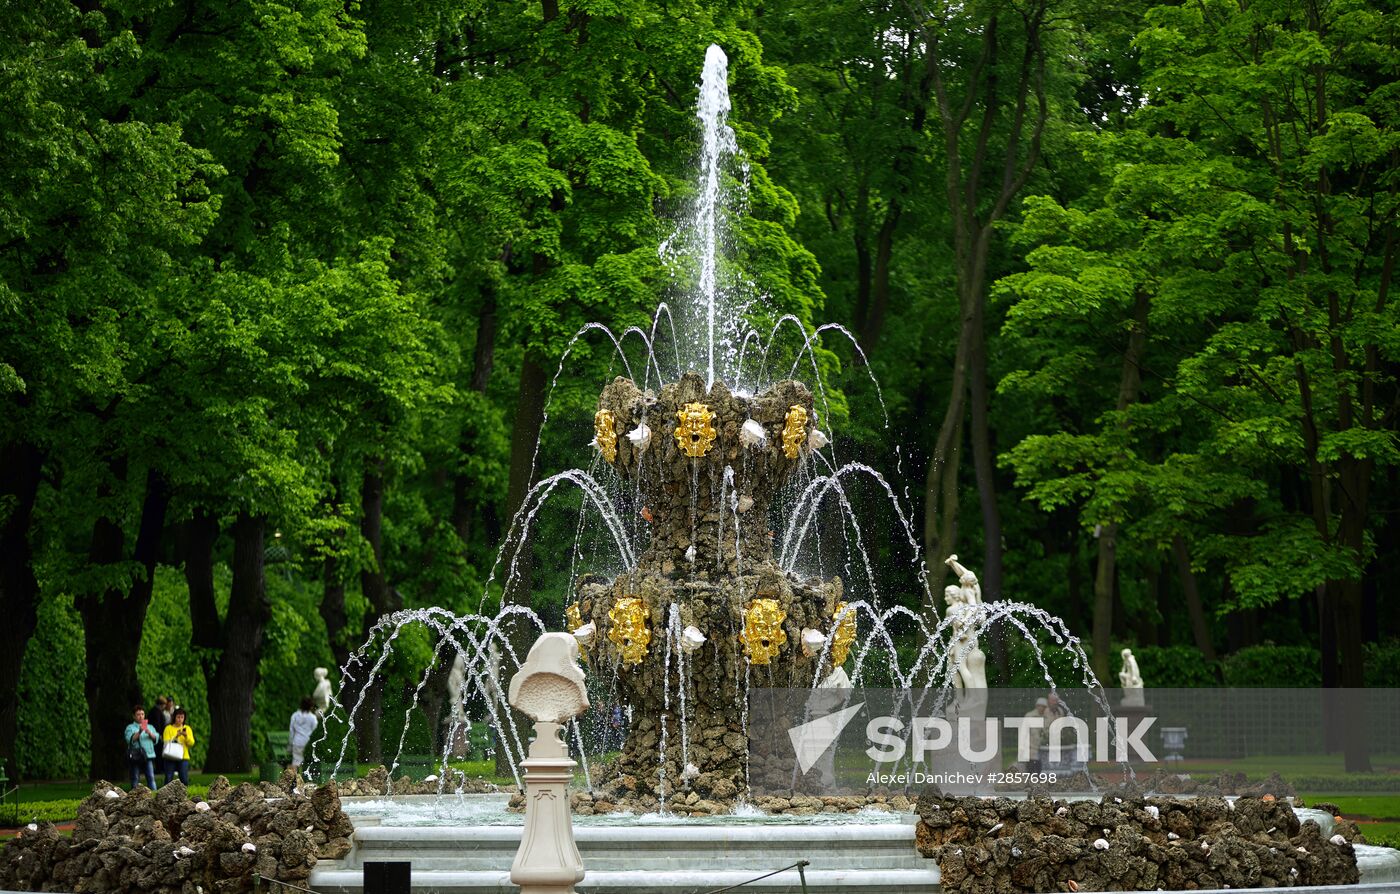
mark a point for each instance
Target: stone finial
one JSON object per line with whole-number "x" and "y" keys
{"x": 549, "y": 687}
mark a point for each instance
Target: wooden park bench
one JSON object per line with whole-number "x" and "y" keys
{"x": 279, "y": 754}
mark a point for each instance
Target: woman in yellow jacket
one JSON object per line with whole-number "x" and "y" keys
{"x": 179, "y": 733}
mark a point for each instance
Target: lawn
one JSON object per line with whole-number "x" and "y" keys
{"x": 58, "y": 801}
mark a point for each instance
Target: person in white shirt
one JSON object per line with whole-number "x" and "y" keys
{"x": 303, "y": 724}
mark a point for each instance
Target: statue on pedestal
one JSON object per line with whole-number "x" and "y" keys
{"x": 321, "y": 695}
{"x": 1131, "y": 681}
{"x": 965, "y": 655}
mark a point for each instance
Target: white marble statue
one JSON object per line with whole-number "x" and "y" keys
{"x": 1131, "y": 681}
{"x": 321, "y": 695}
{"x": 965, "y": 655}
{"x": 457, "y": 690}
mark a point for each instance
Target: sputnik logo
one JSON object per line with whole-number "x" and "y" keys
{"x": 812, "y": 739}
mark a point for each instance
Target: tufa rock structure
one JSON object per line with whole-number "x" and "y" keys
{"x": 167, "y": 843}
{"x": 998, "y": 845}
{"x": 706, "y": 464}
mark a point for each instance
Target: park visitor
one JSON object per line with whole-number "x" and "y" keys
{"x": 141, "y": 742}
{"x": 158, "y": 717}
{"x": 179, "y": 739}
{"x": 302, "y": 725}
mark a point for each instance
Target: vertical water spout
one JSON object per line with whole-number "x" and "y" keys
{"x": 718, "y": 143}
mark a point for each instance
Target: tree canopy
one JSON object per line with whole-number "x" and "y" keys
{"x": 291, "y": 299}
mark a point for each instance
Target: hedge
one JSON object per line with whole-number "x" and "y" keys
{"x": 53, "y": 737}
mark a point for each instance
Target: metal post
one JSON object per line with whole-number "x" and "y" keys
{"x": 388, "y": 878}
{"x": 802, "y": 875}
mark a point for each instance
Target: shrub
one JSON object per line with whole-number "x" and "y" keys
{"x": 1283, "y": 667}
{"x": 1172, "y": 667}
{"x": 52, "y": 737}
{"x": 1383, "y": 664}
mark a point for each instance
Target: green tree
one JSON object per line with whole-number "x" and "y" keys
{"x": 1264, "y": 218}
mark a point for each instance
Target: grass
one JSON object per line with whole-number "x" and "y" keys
{"x": 58, "y": 801}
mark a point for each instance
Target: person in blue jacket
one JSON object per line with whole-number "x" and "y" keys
{"x": 141, "y": 740}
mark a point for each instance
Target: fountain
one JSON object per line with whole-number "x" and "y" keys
{"x": 727, "y": 469}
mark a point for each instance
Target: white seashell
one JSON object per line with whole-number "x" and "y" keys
{"x": 640, "y": 437}
{"x": 752, "y": 434}
{"x": 249, "y": 847}
{"x": 1117, "y": 800}
{"x": 692, "y": 639}
{"x": 1293, "y": 871}
{"x": 1100, "y": 844}
{"x": 33, "y": 827}
{"x": 111, "y": 793}
{"x": 1172, "y": 836}
{"x": 817, "y": 439}
{"x": 994, "y": 828}
{"x": 296, "y": 791}
{"x": 813, "y": 641}
{"x": 1338, "y": 840}
{"x": 1062, "y": 811}
{"x": 690, "y": 772}
{"x": 202, "y": 806}
{"x": 1205, "y": 845}
{"x": 585, "y": 634}
{"x": 431, "y": 777}
{"x": 1302, "y": 850}
{"x": 184, "y": 851}
{"x": 744, "y": 505}
{"x": 1016, "y": 852}
{"x": 690, "y": 553}
{"x": 1152, "y": 811}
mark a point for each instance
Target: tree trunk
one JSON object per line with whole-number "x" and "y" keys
{"x": 1103, "y": 599}
{"x": 1106, "y": 575}
{"x": 465, "y": 509}
{"x": 984, "y": 467}
{"x": 231, "y": 692}
{"x": 1195, "y": 612}
{"x": 1351, "y": 638}
{"x": 374, "y": 584}
{"x": 941, "y": 482}
{"x": 20, "y": 468}
{"x": 524, "y": 439}
{"x": 332, "y": 610}
{"x": 198, "y": 536}
{"x": 113, "y": 622}
{"x": 872, "y": 325}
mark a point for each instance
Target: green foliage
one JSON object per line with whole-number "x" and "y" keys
{"x": 1273, "y": 667}
{"x": 169, "y": 665}
{"x": 1174, "y": 667}
{"x": 41, "y": 811}
{"x": 1026, "y": 671}
{"x": 53, "y": 729}
{"x": 1383, "y": 664}
{"x": 264, "y": 250}
{"x": 296, "y": 644}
